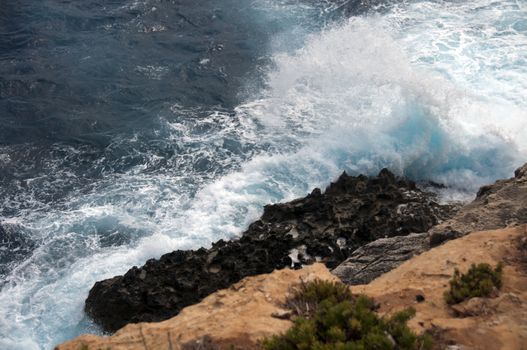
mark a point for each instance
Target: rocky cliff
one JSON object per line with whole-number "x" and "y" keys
{"x": 324, "y": 226}
{"x": 327, "y": 227}
{"x": 238, "y": 317}
{"x": 478, "y": 323}
{"x": 499, "y": 205}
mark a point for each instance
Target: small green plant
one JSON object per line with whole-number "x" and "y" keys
{"x": 341, "y": 321}
{"x": 306, "y": 297}
{"x": 479, "y": 281}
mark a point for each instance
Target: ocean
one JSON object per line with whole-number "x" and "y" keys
{"x": 131, "y": 128}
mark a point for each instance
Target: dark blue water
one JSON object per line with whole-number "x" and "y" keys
{"x": 100, "y": 99}
{"x": 89, "y": 86}
{"x": 79, "y": 77}
{"x": 132, "y": 128}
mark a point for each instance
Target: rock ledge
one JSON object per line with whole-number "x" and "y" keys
{"x": 325, "y": 227}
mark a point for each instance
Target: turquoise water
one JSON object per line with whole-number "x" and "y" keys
{"x": 132, "y": 128}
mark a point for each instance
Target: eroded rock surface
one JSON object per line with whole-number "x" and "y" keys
{"x": 240, "y": 316}
{"x": 324, "y": 227}
{"x": 502, "y": 204}
{"x": 233, "y": 318}
{"x": 380, "y": 256}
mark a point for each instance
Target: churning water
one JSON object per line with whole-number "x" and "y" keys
{"x": 132, "y": 128}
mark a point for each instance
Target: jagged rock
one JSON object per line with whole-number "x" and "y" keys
{"x": 378, "y": 257}
{"x": 324, "y": 227}
{"x": 234, "y": 318}
{"x": 499, "y": 205}
{"x": 241, "y": 316}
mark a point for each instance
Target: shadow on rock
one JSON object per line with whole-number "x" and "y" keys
{"x": 324, "y": 227}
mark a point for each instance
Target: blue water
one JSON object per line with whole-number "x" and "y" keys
{"x": 132, "y": 128}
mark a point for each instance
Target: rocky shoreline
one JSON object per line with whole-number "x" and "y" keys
{"x": 239, "y": 317}
{"x": 398, "y": 268}
{"x": 360, "y": 227}
{"x": 324, "y": 226}
{"x": 502, "y": 204}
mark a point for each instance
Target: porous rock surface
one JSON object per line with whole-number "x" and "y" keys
{"x": 324, "y": 227}
{"x": 380, "y": 256}
{"x": 239, "y": 315}
{"x": 502, "y": 204}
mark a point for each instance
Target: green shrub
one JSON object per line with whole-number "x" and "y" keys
{"x": 306, "y": 297}
{"x": 344, "y": 322}
{"x": 479, "y": 281}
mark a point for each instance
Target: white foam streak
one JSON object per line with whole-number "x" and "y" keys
{"x": 429, "y": 90}
{"x": 354, "y": 91}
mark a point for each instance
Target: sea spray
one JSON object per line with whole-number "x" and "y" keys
{"x": 433, "y": 90}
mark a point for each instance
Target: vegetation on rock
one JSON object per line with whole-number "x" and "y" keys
{"x": 479, "y": 281}
{"x": 333, "y": 319}
{"x": 306, "y": 297}
{"x": 325, "y": 225}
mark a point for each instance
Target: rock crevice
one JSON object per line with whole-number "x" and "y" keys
{"x": 496, "y": 206}
{"x": 324, "y": 226}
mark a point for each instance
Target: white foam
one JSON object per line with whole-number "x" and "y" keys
{"x": 353, "y": 96}
{"x": 393, "y": 91}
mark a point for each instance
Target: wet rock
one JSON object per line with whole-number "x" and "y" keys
{"x": 496, "y": 206}
{"x": 502, "y": 204}
{"x": 324, "y": 227}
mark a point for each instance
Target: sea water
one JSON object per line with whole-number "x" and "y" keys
{"x": 132, "y": 128}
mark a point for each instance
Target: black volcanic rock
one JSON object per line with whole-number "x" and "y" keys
{"x": 325, "y": 227}
{"x": 502, "y": 204}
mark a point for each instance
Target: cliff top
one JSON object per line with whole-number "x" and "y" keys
{"x": 251, "y": 309}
